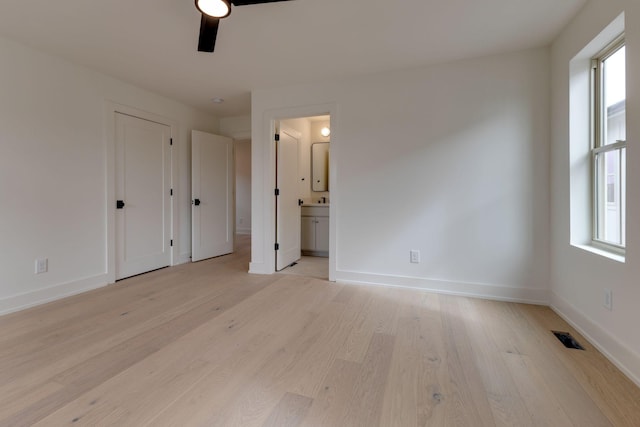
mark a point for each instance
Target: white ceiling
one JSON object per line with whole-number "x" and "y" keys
{"x": 153, "y": 43}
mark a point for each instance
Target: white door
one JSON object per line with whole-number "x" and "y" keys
{"x": 287, "y": 208}
{"x": 143, "y": 185}
{"x": 211, "y": 195}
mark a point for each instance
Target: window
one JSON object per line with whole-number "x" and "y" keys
{"x": 609, "y": 144}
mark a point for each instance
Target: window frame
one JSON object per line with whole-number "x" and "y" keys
{"x": 599, "y": 147}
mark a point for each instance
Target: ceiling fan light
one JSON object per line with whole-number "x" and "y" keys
{"x": 214, "y": 8}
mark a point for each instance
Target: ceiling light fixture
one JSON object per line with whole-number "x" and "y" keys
{"x": 218, "y": 100}
{"x": 325, "y": 131}
{"x": 214, "y": 8}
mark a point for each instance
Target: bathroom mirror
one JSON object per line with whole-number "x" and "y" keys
{"x": 320, "y": 166}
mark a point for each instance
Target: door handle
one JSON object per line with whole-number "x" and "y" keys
{"x": 300, "y": 202}
{"x": 119, "y": 204}
{"x": 196, "y": 202}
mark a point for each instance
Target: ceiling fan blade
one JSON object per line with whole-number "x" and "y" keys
{"x": 208, "y": 33}
{"x": 248, "y": 2}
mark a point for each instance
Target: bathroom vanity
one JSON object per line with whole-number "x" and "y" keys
{"x": 315, "y": 230}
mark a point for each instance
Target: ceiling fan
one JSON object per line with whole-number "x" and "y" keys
{"x": 212, "y": 12}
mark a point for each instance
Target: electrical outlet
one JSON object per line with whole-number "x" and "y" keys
{"x": 608, "y": 299}
{"x": 414, "y": 256}
{"x": 42, "y": 265}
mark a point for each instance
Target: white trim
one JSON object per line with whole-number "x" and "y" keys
{"x": 110, "y": 108}
{"x": 260, "y": 268}
{"x": 473, "y": 290}
{"x": 263, "y": 183}
{"x": 51, "y": 293}
{"x": 604, "y": 252}
{"x": 619, "y": 354}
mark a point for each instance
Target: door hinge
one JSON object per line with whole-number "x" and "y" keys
{"x": 170, "y": 141}
{"x": 277, "y": 246}
{"x": 171, "y": 192}
{"x": 277, "y": 191}
{"x": 171, "y": 243}
{"x": 277, "y": 137}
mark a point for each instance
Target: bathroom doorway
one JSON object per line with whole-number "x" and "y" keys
{"x": 310, "y": 229}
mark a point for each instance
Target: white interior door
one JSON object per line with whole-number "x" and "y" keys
{"x": 143, "y": 184}
{"x": 287, "y": 208}
{"x": 211, "y": 195}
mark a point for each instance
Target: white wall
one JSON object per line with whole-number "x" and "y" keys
{"x": 53, "y": 177}
{"x": 239, "y": 128}
{"x": 578, "y": 277}
{"x": 451, "y": 160}
{"x": 243, "y": 186}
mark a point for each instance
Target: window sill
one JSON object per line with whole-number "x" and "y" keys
{"x": 602, "y": 252}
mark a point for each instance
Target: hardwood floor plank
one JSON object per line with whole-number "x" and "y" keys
{"x": 290, "y": 411}
{"x": 538, "y": 397}
{"x": 365, "y": 404}
{"x": 506, "y": 403}
{"x": 331, "y": 405}
{"x": 418, "y": 380}
{"x": 376, "y": 316}
{"x": 470, "y": 403}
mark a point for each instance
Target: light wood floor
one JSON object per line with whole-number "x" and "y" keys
{"x": 310, "y": 266}
{"x": 208, "y": 345}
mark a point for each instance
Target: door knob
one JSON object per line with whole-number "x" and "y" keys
{"x": 119, "y": 204}
{"x": 196, "y": 202}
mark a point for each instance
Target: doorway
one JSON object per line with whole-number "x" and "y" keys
{"x": 302, "y": 196}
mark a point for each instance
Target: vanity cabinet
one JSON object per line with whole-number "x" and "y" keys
{"x": 315, "y": 231}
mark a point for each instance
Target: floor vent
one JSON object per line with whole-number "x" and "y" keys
{"x": 568, "y": 341}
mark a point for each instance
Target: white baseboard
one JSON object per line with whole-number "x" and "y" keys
{"x": 243, "y": 230}
{"x": 42, "y": 296}
{"x": 620, "y": 355}
{"x": 474, "y": 290}
{"x": 259, "y": 268}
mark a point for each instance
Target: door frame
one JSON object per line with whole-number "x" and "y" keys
{"x": 110, "y": 110}
{"x": 263, "y": 177}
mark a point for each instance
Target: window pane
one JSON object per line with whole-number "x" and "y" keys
{"x": 610, "y": 196}
{"x": 614, "y": 82}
